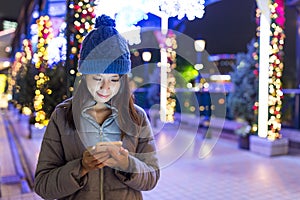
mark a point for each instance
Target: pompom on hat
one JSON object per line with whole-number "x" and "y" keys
{"x": 104, "y": 50}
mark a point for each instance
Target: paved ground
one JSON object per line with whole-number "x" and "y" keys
{"x": 194, "y": 168}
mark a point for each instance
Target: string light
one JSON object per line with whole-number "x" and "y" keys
{"x": 22, "y": 58}
{"x": 275, "y": 67}
{"x": 84, "y": 13}
{"x": 14, "y": 71}
{"x": 171, "y": 46}
{"x": 45, "y": 35}
{"x": 84, "y": 20}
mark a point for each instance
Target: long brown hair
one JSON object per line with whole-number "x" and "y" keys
{"x": 128, "y": 117}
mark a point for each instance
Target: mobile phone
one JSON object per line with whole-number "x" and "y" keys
{"x": 117, "y": 143}
{"x": 100, "y": 146}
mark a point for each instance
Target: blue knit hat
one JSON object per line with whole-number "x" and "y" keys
{"x": 104, "y": 50}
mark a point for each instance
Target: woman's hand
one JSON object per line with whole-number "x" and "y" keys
{"x": 93, "y": 159}
{"x": 106, "y": 154}
{"x": 118, "y": 158}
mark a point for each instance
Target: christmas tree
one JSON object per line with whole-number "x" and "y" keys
{"x": 25, "y": 87}
{"x": 55, "y": 90}
{"x": 242, "y": 101}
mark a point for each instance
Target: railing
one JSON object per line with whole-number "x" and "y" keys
{"x": 291, "y": 108}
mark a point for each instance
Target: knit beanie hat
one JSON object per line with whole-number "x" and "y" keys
{"x": 104, "y": 50}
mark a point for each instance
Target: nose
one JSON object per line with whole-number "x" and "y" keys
{"x": 105, "y": 85}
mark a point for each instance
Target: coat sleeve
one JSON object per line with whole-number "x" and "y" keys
{"x": 144, "y": 169}
{"x": 54, "y": 176}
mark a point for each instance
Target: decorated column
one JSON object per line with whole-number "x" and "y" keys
{"x": 45, "y": 34}
{"x": 270, "y": 68}
{"x": 80, "y": 20}
{"x": 271, "y": 37}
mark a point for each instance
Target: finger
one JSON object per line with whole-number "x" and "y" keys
{"x": 124, "y": 152}
{"x": 114, "y": 152}
{"x": 111, "y": 162}
{"x": 90, "y": 159}
{"x": 103, "y": 158}
{"x": 88, "y": 154}
{"x": 100, "y": 154}
{"x": 102, "y": 148}
{"x": 88, "y": 165}
{"x": 101, "y": 165}
{"x": 95, "y": 163}
{"x": 85, "y": 153}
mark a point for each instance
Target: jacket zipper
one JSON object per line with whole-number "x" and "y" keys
{"x": 101, "y": 170}
{"x": 101, "y": 134}
{"x": 101, "y": 184}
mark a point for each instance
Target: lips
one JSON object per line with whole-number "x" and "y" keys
{"x": 104, "y": 96}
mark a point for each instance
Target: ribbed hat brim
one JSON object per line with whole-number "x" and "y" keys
{"x": 104, "y": 66}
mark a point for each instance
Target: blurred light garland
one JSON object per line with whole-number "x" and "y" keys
{"x": 22, "y": 58}
{"x": 84, "y": 18}
{"x": 81, "y": 20}
{"x": 275, "y": 67}
{"x": 45, "y": 34}
{"x": 171, "y": 46}
{"x": 17, "y": 64}
{"x": 26, "y": 60}
{"x": 28, "y": 52}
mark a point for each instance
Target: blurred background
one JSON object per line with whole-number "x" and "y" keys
{"x": 208, "y": 51}
{"x": 227, "y": 27}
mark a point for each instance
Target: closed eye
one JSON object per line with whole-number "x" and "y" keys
{"x": 97, "y": 79}
{"x": 101, "y": 78}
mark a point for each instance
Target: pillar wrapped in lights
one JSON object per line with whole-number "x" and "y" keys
{"x": 80, "y": 20}
{"x": 45, "y": 34}
{"x": 166, "y": 9}
{"x": 276, "y": 68}
{"x": 171, "y": 46}
{"x": 273, "y": 102}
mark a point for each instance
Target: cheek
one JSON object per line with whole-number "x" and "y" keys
{"x": 92, "y": 87}
{"x": 115, "y": 89}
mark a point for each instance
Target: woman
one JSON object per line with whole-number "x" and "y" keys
{"x": 78, "y": 159}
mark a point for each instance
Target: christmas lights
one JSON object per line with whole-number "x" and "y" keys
{"x": 171, "y": 46}
{"x": 81, "y": 20}
{"x": 275, "y": 69}
{"x": 45, "y": 35}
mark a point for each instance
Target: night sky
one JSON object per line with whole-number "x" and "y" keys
{"x": 9, "y": 10}
{"x": 227, "y": 26}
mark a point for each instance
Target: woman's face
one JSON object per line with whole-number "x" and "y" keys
{"x": 103, "y": 87}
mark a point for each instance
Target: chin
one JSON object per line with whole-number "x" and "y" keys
{"x": 100, "y": 100}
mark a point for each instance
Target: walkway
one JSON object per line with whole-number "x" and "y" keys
{"x": 192, "y": 167}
